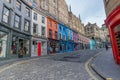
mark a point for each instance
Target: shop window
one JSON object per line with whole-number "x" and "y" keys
{"x": 35, "y": 46}
{"x": 23, "y": 47}
{"x": 56, "y": 35}
{"x": 44, "y": 45}
{"x": 26, "y": 46}
{"x": 5, "y": 15}
{"x": 14, "y": 45}
{"x": 3, "y": 44}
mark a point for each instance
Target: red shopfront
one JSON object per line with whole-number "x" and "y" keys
{"x": 113, "y": 23}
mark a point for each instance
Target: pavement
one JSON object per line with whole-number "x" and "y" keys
{"x": 67, "y": 66}
{"x": 105, "y": 66}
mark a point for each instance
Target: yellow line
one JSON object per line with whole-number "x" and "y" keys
{"x": 88, "y": 70}
{"x": 12, "y": 65}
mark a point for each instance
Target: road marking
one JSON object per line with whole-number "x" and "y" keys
{"x": 108, "y": 79}
{"x": 17, "y": 63}
{"x": 88, "y": 70}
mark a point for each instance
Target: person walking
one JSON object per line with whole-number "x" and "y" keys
{"x": 106, "y": 46}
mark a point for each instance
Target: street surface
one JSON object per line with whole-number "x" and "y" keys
{"x": 68, "y": 66}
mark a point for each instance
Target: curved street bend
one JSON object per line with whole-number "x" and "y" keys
{"x": 67, "y": 66}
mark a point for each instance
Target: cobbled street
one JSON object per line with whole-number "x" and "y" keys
{"x": 67, "y": 66}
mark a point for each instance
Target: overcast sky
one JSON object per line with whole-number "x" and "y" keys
{"x": 89, "y": 10}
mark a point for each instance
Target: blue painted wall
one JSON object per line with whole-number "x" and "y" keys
{"x": 67, "y": 44}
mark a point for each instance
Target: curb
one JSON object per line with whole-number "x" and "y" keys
{"x": 97, "y": 72}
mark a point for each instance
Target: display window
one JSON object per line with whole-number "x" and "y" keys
{"x": 3, "y": 43}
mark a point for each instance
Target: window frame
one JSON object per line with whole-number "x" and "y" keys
{"x": 43, "y": 31}
{"x": 28, "y": 25}
{"x": 27, "y": 11}
{"x": 43, "y": 19}
{"x": 19, "y": 5}
{"x": 8, "y": 21}
{"x": 15, "y": 21}
{"x": 35, "y": 16}
{"x": 36, "y": 28}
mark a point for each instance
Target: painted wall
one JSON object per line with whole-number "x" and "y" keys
{"x": 37, "y": 37}
{"x": 53, "y": 25}
{"x": 67, "y": 44}
{"x": 39, "y": 22}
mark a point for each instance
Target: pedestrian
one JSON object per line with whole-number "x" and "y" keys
{"x": 106, "y": 46}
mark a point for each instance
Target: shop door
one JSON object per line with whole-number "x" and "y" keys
{"x": 20, "y": 48}
{"x": 39, "y": 49}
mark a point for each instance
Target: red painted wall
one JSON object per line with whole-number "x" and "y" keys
{"x": 112, "y": 21}
{"x": 53, "y": 25}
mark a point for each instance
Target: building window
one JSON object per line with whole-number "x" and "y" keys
{"x": 3, "y": 43}
{"x": 50, "y": 23}
{"x": 35, "y": 16}
{"x": 9, "y": 1}
{"x": 55, "y": 25}
{"x": 60, "y": 35}
{"x": 56, "y": 35}
{"x": 17, "y": 21}
{"x": 18, "y": 5}
{"x": 6, "y": 14}
{"x": 28, "y": 12}
{"x": 43, "y": 19}
{"x": 35, "y": 28}
{"x": 60, "y": 28}
{"x": 43, "y": 31}
{"x": 27, "y": 25}
{"x": 50, "y": 33}
{"x": 64, "y": 37}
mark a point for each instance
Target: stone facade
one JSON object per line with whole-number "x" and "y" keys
{"x": 110, "y": 5}
{"x": 75, "y": 23}
{"x": 92, "y": 30}
{"x": 105, "y": 31}
{"x": 63, "y": 11}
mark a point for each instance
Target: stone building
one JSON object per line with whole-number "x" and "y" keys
{"x": 63, "y": 11}
{"x": 92, "y": 30}
{"x": 105, "y": 31}
{"x": 75, "y": 23}
{"x": 110, "y": 5}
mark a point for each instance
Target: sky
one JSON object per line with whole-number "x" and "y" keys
{"x": 90, "y": 10}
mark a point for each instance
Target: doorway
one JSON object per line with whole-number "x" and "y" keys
{"x": 20, "y": 48}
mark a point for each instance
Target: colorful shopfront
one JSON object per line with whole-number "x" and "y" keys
{"x": 4, "y": 41}
{"x": 52, "y": 35}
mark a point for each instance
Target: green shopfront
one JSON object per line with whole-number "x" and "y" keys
{"x": 13, "y": 44}
{"x": 4, "y": 42}
{"x": 20, "y": 45}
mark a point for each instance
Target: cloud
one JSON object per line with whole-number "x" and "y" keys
{"x": 90, "y": 10}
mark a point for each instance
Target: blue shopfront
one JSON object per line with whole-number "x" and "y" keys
{"x": 65, "y": 37}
